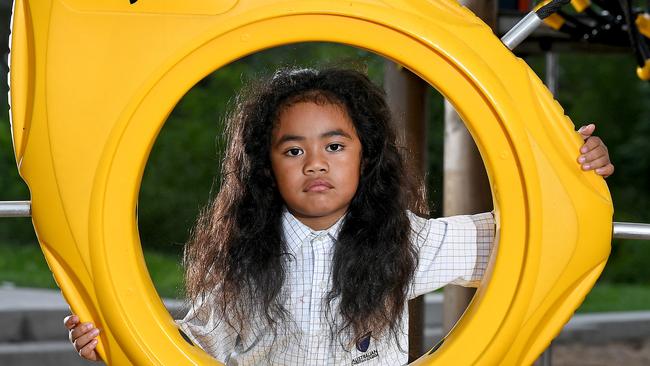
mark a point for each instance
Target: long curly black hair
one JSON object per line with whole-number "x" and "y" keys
{"x": 236, "y": 253}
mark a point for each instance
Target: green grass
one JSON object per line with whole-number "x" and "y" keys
{"x": 616, "y": 297}
{"x": 24, "y": 265}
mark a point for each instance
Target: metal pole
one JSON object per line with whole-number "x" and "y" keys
{"x": 631, "y": 230}
{"x": 547, "y": 356}
{"x": 521, "y": 30}
{"x": 552, "y": 77}
{"x": 15, "y": 209}
{"x": 552, "y": 72}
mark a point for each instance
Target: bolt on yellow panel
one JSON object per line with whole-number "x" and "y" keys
{"x": 93, "y": 82}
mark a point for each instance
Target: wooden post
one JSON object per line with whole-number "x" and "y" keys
{"x": 406, "y": 96}
{"x": 466, "y": 189}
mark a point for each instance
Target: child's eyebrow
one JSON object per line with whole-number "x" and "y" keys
{"x": 337, "y": 132}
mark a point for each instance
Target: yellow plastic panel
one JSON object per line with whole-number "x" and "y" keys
{"x": 104, "y": 83}
{"x": 189, "y": 7}
{"x": 22, "y": 61}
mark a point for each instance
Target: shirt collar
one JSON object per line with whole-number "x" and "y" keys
{"x": 296, "y": 232}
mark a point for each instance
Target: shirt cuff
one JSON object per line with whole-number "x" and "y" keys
{"x": 485, "y": 231}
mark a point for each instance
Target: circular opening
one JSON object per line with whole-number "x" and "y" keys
{"x": 182, "y": 173}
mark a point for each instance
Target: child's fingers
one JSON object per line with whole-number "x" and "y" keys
{"x": 80, "y": 330}
{"x": 596, "y": 164}
{"x": 85, "y": 339}
{"x": 88, "y": 351}
{"x": 586, "y": 131}
{"x": 591, "y": 143}
{"x": 70, "y": 321}
{"x": 606, "y": 171}
{"x": 597, "y": 153}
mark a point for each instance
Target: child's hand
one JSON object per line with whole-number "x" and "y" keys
{"x": 83, "y": 337}
{"x": 594, "y": 154}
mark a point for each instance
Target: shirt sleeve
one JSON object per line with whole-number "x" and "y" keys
{"x": 452, "y": 250}
{"x": 208, "y": 331}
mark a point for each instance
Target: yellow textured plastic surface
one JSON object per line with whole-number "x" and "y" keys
{"x": 95, "y": 80}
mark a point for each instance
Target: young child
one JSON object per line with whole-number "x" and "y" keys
{"x": 317, "y": 238}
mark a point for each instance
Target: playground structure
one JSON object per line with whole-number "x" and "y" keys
{"x": 517, "y": 141}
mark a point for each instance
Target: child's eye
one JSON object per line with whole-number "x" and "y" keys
{"x": 334, "y": 147}
{"x": 294, "y": 152}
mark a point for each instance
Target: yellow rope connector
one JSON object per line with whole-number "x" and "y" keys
{"x": 644, "y": 72}
{"x": 580, "y": 5}
{"x": 643, "y": 24}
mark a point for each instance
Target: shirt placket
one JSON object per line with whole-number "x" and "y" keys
{"x": 319, "y": 283}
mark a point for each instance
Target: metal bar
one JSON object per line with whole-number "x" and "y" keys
{"x": 552, "y": 78}
{"x": 552, "y": 72}
{"x": 15, "y": 208}
{"x": 631, "y": 230}
{"x": 521, "y": 30}
{"x": 622, "y": 230}
{"x": 547, "y": 356}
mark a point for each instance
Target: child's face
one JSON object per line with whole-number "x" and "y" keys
{"x": 316, "y": 158}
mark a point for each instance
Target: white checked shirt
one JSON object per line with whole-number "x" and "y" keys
{"x": 451, "y": 250}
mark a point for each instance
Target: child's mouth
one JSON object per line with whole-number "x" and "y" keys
{"x": 318, "y": 188}
{"x": 318, "y": 185}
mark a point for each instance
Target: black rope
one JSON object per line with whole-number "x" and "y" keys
{"x": 550, "y": 8}
{"x": 641, "y": 51}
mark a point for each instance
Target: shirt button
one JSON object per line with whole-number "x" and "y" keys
{"x": 322, "y": 285}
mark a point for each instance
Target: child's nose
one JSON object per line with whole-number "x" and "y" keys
{"x": 316, "y": 163}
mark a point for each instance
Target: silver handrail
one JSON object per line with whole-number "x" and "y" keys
{"x": 621, "y": 230}
{"x": 631, "y": 230}
{"x": 15, "y": 208}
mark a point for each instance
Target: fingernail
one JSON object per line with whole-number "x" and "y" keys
{"x": 94, "y": 332}
{"x": 581, "y": 159}
{"x": 581, "y": 128}
{"x": 586, "y": 167}
{"x": 599, "y": 170}
{"x": 583, "y": 149}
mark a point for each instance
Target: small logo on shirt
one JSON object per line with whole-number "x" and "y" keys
{"x": 366, "y": 357}
{"x": 364, "y": 342}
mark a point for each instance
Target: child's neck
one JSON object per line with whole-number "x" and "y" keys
{"x": 317, "y": 223}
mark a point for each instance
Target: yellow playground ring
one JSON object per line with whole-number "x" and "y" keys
{"x": 92, "y": 83}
